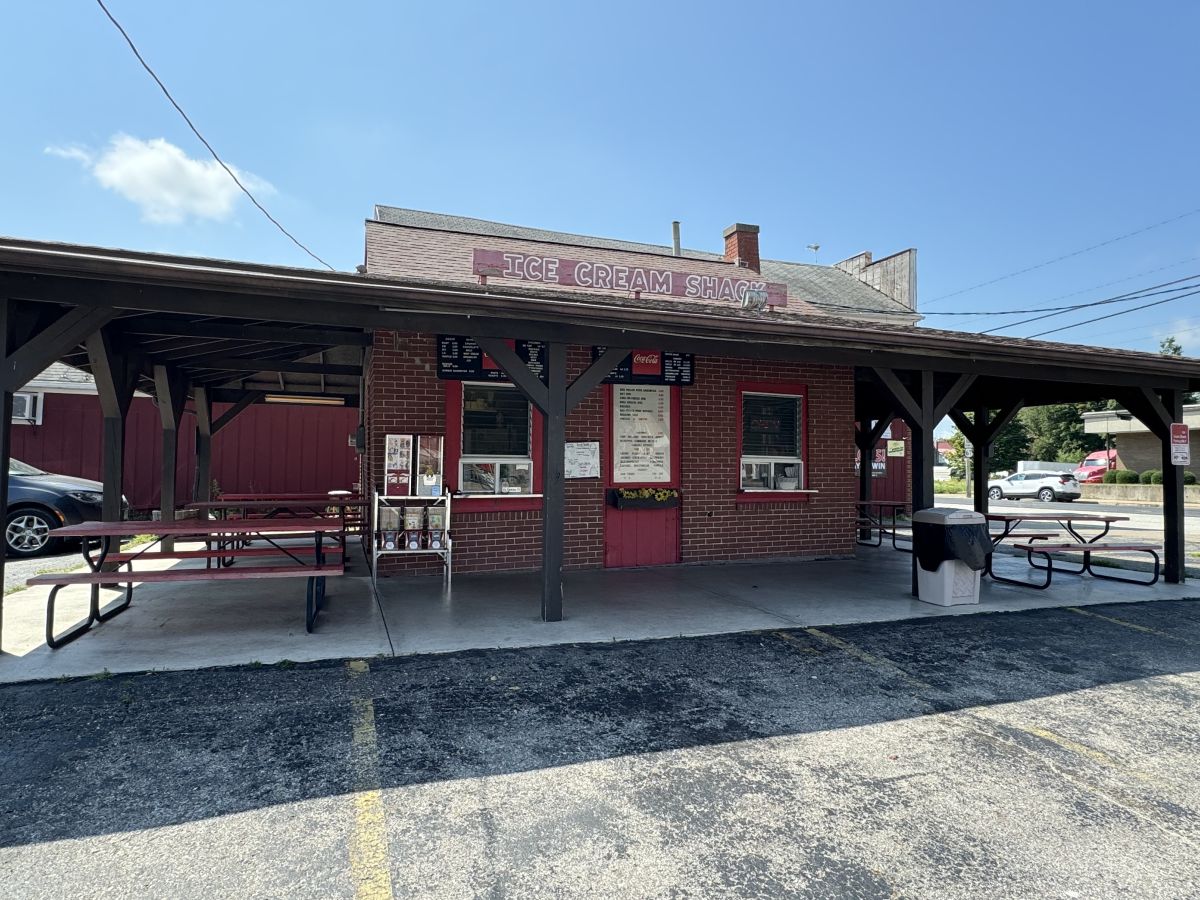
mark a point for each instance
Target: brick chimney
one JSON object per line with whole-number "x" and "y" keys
{"x": 741, "y": 245}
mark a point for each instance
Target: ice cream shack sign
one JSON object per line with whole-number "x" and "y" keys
{"x": 598, "y": 276}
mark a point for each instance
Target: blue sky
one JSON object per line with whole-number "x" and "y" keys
{"x": 990, "y": 137}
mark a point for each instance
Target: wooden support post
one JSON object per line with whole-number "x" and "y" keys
{"x": 981, "y": 453}
{"x": 866, "y": 438}
{"x": 554, "y": 454}
{"x": 115, "y": 377}
{"x": 6, "y": 410}
{"x": 555, "y": 398}
{"x": 1174, "y": 565}
{"x": 170, "y": 391}
{"x": 202, "y": 487}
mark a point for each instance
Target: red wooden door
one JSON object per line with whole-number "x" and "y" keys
{"x": 641, "y": 537}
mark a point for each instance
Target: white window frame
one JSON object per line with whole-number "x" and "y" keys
{"x": 36, "y": 399}
{"x": 495, "y": 459}
{"x": 798, "y": 461}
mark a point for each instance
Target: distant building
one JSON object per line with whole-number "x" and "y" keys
{"x": 1138, "y": 449}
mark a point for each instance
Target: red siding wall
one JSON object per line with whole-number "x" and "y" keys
{"x": 405, "y": 396}
{"x": 266, "y": 448}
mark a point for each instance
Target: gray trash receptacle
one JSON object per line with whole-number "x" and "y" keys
{"x": 951, "y": 547}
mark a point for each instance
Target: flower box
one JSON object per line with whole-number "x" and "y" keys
{"x": 643, "y": 498}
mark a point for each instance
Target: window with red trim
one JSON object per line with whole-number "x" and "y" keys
{"x": 497, "y": 440}
{"x": 771, "y": 438}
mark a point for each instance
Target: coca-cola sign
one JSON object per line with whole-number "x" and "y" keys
{"x": 719, "y": 282}
{"x": 651, "y": 367}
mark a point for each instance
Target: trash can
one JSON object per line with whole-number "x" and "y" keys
{"x": 951, "y": 547}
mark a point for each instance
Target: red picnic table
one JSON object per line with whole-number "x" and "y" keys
{"x": 870, "y": 518}
{"x": 268, "y": 530}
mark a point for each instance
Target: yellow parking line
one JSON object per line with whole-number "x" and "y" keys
{"x": 1142, "y": 628}
{"x": 870, "y": 659}
{"x": 369, "y": 867}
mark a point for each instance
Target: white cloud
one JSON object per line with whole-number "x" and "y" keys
{"x": 166, "y": 184}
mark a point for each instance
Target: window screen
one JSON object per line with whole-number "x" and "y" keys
{"x": 495, "y": 422}
{"x": 770, "y": 425}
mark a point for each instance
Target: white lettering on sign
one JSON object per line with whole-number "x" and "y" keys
{"x": 1181, "y": 444}
{"x": 612, "y": 277}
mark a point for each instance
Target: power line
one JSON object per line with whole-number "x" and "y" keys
{"x": 1058, "y": 259}
{"x": 1113, "y": 315}
{"x": 1005, "y": 312}
{"x": 1121, "y": 298}
{"x": 196, "y": 132}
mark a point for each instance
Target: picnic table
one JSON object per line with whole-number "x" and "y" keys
{"x": 306, "y": 562}
{"x": 349, "y": 508}
{"x": 1039, "y": 543}
{"x": 870, "y": 518}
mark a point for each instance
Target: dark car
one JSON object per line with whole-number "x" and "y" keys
{"x": 39, "y": 502}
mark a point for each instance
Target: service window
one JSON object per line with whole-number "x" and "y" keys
{"x": 496, "y": 440}
{"x": 27, "y": 408}
{"x": 772, "y": 442}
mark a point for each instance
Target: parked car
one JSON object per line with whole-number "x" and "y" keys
{"x": 1094, "y": 465}
{"x": 1045, "y": 486}
{"x": 39, "y": 502}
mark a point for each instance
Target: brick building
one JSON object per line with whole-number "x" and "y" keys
{"x": 760, "y": 453}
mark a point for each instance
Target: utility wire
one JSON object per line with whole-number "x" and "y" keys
{"x": 1113, "y": 315}
{"x": 1058, "y": 259}
{"x": 1123, "y": 298}
{"x": 196, "y": 132}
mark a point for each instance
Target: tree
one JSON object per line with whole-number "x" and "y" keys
{"x": 1056, "y": 432}
{"x": 1011, "y": 445}
{"x": 1169, "y": 346}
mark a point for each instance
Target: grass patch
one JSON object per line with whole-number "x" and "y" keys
{"x": 950, "y": 486}
{"x": 139, "y": 540}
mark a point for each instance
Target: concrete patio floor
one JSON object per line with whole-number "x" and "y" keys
{"x": 197, "y": 625}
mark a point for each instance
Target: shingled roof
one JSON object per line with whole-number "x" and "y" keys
{"x": 828, "y": 287}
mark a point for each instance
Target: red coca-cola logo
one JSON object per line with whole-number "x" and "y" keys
{"x": 647, "y": 362}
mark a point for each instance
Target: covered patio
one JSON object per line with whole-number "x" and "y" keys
{"x": 192, "y": 626}
{"x": 191, "y": 331}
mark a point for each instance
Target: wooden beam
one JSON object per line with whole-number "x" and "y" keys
{"x": 1001, "y": 418}
{"x": 45, "y": 347}
{"x": 170, "y": 391}
{"x": 969, "y": 429}
{"x": 554, "y": 453}
{"x": 961, "y": 385}
{"x": 247, "y": 399}
{"x": 8, "y": 339}
{"x": 237, "y": 364}
{"x": 911, "y": 409}
{"x": 172, "y": 326}
{"x": 591, "y": 377}
{"x": 116, "y": 375}
{"x": 515, "y": 368}
{"x": 202, "y": 404}
{"x": 1174, "y": 543}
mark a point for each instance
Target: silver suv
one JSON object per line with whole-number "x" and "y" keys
{"x": 1045, "y": 486}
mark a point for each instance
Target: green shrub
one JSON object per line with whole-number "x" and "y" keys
{"x": 1147, "y": 477}
{"x": 1126, "y": 476}
{"x": 1188, "y": 477}
{"x": 1156, "y": 477}
{"x": 1110, "y": 477}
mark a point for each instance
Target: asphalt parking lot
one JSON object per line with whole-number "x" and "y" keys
{"x": 1051, "y": 753}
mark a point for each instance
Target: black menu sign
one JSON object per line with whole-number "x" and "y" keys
{"x": 651, "y": 367}
{"x": 462, "y": 359}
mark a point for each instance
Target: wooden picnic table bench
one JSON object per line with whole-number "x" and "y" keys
{"x": 870, "y": 518}
{"x": 1066, "y": 519}
{"x": 309, "y": 562}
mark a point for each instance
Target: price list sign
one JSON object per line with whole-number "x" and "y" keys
{"x": 462, "y": 359}
{"x": 651, "y": 367}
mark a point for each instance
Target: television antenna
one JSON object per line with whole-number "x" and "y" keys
{"x": 814, "y": 248}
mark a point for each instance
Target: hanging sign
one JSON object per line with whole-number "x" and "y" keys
{"x": 641, "y": 430}
{"x": 895, "y": 448}
{"x": 462, "y": 359}
{"x": 600, "y": 276}
{"x": 1181, "y": 444}
{"x": 583, "y": 459}
{"x": 651, "y": 367}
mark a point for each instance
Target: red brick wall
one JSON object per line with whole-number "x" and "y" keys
{"x": 404, "y": 395}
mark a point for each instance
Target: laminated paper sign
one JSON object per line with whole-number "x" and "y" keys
{"x": 583, "y": 459}
{"x": 641, "y": 434}
{"x": 895, "y": 448}
{"x": 1181, "y": 445}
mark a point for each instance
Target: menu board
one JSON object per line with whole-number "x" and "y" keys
{"x": 462, "y": 359}
{"x": 641, "y": 434}
{"x": 651, "y": 367}
{"x": 583, "y": 459}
